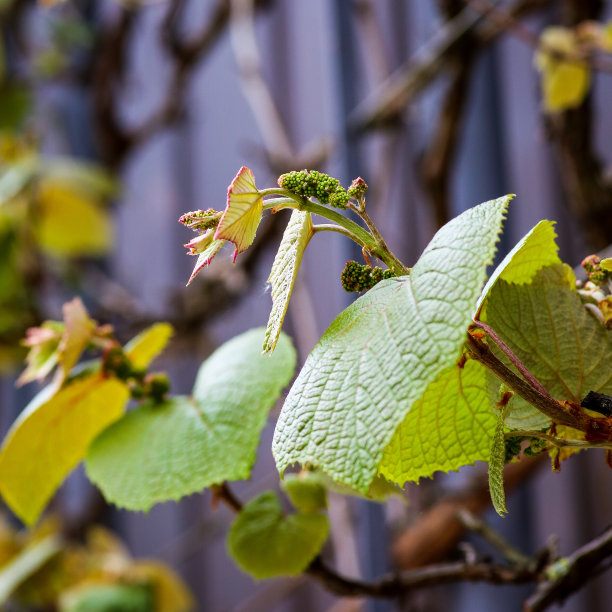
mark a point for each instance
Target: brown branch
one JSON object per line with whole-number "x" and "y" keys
{"x": 583, "y": 565}
{"x": 387, "y": 102}
{"x": 436, "y": 533}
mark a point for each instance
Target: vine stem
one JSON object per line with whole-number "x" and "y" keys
{"x": 529, "y": 377}
{"x": 373, "y": 243}
{"x": 599, "y": 429}
{"x": 331, "y": 227}
{"x": 559, "y": 442}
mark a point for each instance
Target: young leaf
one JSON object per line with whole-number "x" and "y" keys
{"x": 79, "y": 329}
{"x": 160, "y": 452}
{"x": 450, "y": 426}
{"x": 242, "y": 213}
{"x": 497, "y": 461}
{"x": 206, "y": 256}
{"x": 71, "y": 222}
{"x": 565, "y": 83}
{"x": 284, "y": 272}
{"x": 42, "y": 356}
{"x": 148, "y": 344}
{"x": 265, "y": 543}
{"x": 379, "y": 355}
{"x": 552, "y": 333}
{"x": 51, "y": 436}
{"x": 531, "y": 253}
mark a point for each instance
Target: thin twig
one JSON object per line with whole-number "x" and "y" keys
{"x": 516, "y": 362}
{"x": 473, "y": 523}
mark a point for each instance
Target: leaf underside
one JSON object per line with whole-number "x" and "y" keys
{"x": 379, "y": 355}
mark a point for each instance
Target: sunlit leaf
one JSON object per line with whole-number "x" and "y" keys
{"x": 51, "y": 437}
{"x": 242, "y": 213}
{"x": 565, "y": 82}
{"x": 148, "y": 344}
{"x": 379, "y": 356}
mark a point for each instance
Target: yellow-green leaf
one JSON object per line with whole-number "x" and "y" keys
{"x": 51, "y": 437}
{"x": 497, "y": 460}
{"x": 565, "y": 82}
{"x": 242, "y": 213}
{"x": 71, "y": 222}
{"x": 284, "y": 272}
{"x": 148, "y": 344}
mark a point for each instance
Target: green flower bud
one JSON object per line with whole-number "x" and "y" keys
{"x": 358, "y": 189}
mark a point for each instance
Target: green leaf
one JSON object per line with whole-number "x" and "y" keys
{"x": 533, "y": 252}
{"x": 26, "y": 563}
{"x": 161, "y": 452}
{"x": 148, "y": 344}
{"x": 549, "y": 329}
{"x": 497, "y": 460}
{"x": 379, "y": 355}
{"x": 109, "y": 598}
{"x": 265, "y": 543}
{"x": 51, "y": 436}
{"x": 243, "y": 212}
{"x": 306, "y": 491}
{"x": 284, "y": 272}
{"x": 450, "y": 426}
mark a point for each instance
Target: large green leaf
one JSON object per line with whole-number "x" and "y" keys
{"x": 533, "y": 252}
{"x": 51, "y": 436}
{"x": 552, "y": 333}
{"x": 161, "y": 452}
{"x": 284, "y": 272}
{"x": 265, "y": 542}
{"x": 379, "y": 355}
{"x": 450, "y": 426}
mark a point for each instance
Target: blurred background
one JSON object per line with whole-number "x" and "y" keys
{"x": 116, "y": 117}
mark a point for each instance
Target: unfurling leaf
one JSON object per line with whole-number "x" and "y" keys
{"x": 148, "y": 344}
{"x": 58, "y": 343}
{"x": 379, "y": 355}
{"x": 284, "y": 272}
{"x": 164, "y": 451}
{"x": 51, "y": 436}
{"x": 265, "y": 542}
{"x": 242, "y": 213}
{"x": 497, "y": 460}
{"x": 206, "y": 249}
{"x": 565, "y": 78}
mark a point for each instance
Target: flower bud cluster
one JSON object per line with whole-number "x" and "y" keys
{"x": 357, "y": 277}
{"x": 201, "y": 220}
{"x": 597, "y": 275}
{"x": 311, "y": 183}
{"x": 358, "y": 189}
